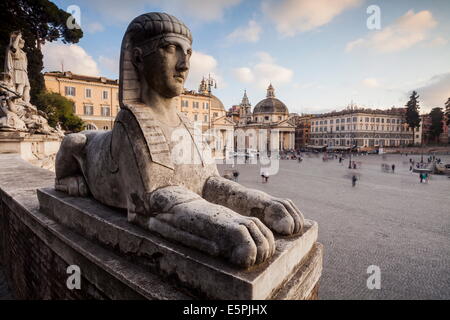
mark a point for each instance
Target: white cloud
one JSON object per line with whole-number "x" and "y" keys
{"x": 74, "y": 58}
{"x": 370, "y": 82}
{"x": 244, "y": 75}
{"x": 94, "y": 27}
{"x": 124, "y": 11}
{"x": 250, "y": 33}
{"x": 404, "y": 33}
{"x": 110, "y": 64}
{"x": 294, "y": 16}
{"x": 435, "y": 93}
{"x": 202, "y": 65}
{"x": 438, "y": 41}
{"x": 264, "y": 72}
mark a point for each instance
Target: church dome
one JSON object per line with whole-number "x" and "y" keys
{"x": 216, "y": 103}
{"x": 270, "y": 104}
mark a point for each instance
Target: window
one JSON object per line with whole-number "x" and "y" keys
{"x": 331, "y": 121}
{"x": 205, "y": 105}
{"x": 105, "y": 95}
{"x": 382, "y": 120}
{"x": 266, "y": 118}
{"x": 184, "y": 103}
{"x": 195, "y": 104}
{"x": 70, "y": 91}
{"x": 215, "y": 114}
{"x": 88, "y": 109}
{"x": 325, "y": 122}
{"x": 106, "y": 111}
{"x": 372, "y": 119}
{"x": 378, "y": 120}
{"x": 355, "y": 119}
{"x": 348, "y": 120}
{"x": 105, "y": 128}
{"x": 337, "y": 128}
{"x": 279, "y": 117}
{"x": 88, "y": 93}
{"x": 367, "y": 119}
{"x": 206, "y": 118}
{"x": 90, "y": 127}
{"x": 342, "y": 128}
{"x": 337, "y": 121}
{"x": 388, "y": 120}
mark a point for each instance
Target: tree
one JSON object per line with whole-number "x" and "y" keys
{"x": 59, "y": 109}
{"x": 412, "y": 112}
{"x": 447, "y": 111}
{"x": 436, "y": 129}
{"x": 39, "y": 21}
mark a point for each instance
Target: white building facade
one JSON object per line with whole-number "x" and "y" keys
{"x": 364, "y": 128}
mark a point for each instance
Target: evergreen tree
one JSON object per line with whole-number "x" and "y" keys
{"x": 39, "y": 21}
{"x": 447, "y": 111}
{"x": 436, "y": 129}
{"x": 412, "y": 112}
{"x": 59, "y": 109}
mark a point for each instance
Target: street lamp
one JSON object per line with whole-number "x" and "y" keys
{"x": 210, "y": 82}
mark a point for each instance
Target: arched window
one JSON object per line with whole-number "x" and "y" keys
{"x": 90, "y": 126}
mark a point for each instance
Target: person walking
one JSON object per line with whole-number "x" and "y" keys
{"x": 421, "y": 177}
{"x": 393, "y": 168}
{"x": 354, "y": 180}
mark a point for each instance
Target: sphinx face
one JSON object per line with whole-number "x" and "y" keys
{"x": 166, "y": 69}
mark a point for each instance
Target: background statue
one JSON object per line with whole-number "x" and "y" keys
{"x": 16, "y": 65}
{"x": 16, "y": 111}
{"x": 137, "y": 166}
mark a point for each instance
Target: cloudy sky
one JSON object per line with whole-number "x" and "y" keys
{"x": 320, "y": 55}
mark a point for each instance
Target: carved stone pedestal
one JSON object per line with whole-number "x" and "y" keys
{"x": 292, "y": 273}
{"x": 34, "y": 148}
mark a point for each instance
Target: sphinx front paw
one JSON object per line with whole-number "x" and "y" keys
{"x": 75, "y": 186}
{"x": 283, "y": 217}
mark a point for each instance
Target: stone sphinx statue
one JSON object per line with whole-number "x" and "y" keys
{"x": 134, "y": 166}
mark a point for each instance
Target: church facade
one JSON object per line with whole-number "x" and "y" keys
{"x": 268, "y": 127}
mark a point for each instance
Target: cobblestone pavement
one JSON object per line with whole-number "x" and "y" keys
{"x": 389, "y": 220}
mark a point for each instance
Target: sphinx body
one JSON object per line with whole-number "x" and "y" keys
{"x": 137, "y": 166}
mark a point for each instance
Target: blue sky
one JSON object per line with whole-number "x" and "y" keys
{"x": 319, "y": 54}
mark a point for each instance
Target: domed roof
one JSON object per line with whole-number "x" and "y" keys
{"x": 270, "y": 104}
{"x": 216, "y": 103}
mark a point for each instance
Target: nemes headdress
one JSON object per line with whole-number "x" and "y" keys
{"x": 147, "y": 31}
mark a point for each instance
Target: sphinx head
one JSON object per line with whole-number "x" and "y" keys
{"x": 156, "y": 50}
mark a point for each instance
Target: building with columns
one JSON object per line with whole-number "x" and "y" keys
{"x": 358, "y": 127}
{"x": 269, "y": 120}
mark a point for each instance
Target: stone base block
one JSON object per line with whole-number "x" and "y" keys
{"x": 292, "y": 273}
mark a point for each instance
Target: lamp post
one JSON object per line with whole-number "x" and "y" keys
{"x": 210, "y": 82}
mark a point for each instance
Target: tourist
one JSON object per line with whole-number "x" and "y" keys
{"x": 235, "y": 175}
{"x": 354, "y": 180}
{"x": 421, "y": 177}
{"x": 393, "y": 168}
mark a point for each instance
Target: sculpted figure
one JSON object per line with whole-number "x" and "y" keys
{"x": 135, "y": 167}
{"x": 16, "y": 65}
